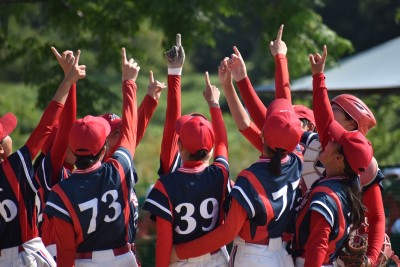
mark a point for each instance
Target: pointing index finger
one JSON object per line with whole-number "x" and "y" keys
{"x": 236, "y": 51}
{"x": 123, "y": 54}
{"x": 280, "y": 32}
{"x": 151, "y": 77}
{"x": 78, "y": 54}
{"x": 55, "y": 52}
{"x": 178, "y": 40}
{"x": 207, "y": 79}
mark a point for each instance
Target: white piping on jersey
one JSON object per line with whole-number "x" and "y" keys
{"x": 51, "y": 204}
{"x": 44, "y": 175}
{"x": 159, "y": 206}
{"x": 126, "y": 156}
{"x": 223, "y": 160}
{"x": 91, "y": 168}
{"x": 283, "y": 160}
{"x": 326, "y": 208}
{"x": 176, "y": 162}
{"x": 193, "y": 170}
{"x": 28, "y": 177}
{"x": 247, "y": 199}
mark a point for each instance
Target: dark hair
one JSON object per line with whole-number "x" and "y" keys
{"x": 354, "y": 192}
{"x": 304, "y": 122}
{"x": 199, "y": 155}
{"x": 85, "y": 161}
{"x": 275, "y": 166}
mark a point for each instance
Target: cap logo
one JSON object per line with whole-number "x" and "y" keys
{"x": 113, "y": 117}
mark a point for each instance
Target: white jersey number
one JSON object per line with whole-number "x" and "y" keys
{"x": 93, "y": 204}
{"x": 8, "y": 209}
{"x": 283, "y": 193}
{"x": 191, "y": 222}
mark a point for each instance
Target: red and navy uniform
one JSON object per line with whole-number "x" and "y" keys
{"x": 268, "y": 200}
{"x": 105, "y": 200}
{"x": 196, "y": 197}
{"x": 18, "y": 223}
{"x": 262, "y": 206}
{"x": 329, "y": 198}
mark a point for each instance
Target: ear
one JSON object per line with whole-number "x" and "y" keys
{"x": 339, "y": 157}
{"x": 2, "y": 151}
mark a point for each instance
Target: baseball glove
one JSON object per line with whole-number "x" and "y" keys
{"x": 353, "y": 252}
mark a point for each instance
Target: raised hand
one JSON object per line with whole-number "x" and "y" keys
{"x": 65, "y": 59}
{"x": 318, "y": 62}
{"x": 211, "y": 93}
{"x": 155, "y": 87}
{"x": 224, "y": 75}
{"x": 278, "y": 46}
{"x": 176, "y": 55}
{"x": 130, "y": 69}
{"x": 236, "y": 66}
{"x": 76, "y": 71}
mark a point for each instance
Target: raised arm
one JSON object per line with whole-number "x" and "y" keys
{"x": 169, "y": 145}
{"x": 211, "y": 95}
{"x": 130, "y": 71}
{"x": 239, "y": 114}
{"x": 148, "y": 106}
{"x": 53, "y": 110}
{"x": 278, "y": 50}
{"x": 321, "y": 104}
{"x": 252, "y": 102}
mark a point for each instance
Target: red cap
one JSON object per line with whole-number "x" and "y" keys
{"x": 282, "y": 127}
{"x": 304, "y": 112}
{"x": 88, "y": 135}
{"x": 7, "y": 124}
{"x": 195, "y": 132}
{"x": 113, "y": 119}
{"x": 357, "y": 149}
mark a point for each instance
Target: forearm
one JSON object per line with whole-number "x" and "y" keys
{"x": 66, "y": 250}
{"x": 164, "y": 242}
{"x": 236, "y": 108}
{"x": 221, "y": 138}
{"x": 252, "y": 134}
{"x": 129, "y": 116}
{"x": 252, "y": 102}
{"x": 282, "y": 85}
{"x": 145, "y": 112}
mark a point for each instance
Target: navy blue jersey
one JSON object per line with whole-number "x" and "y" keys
{"x": 268, "y": 199}
{"x": 192, "y": 200}
{"x": 96, "y": 202}
{"x": 17, "y": 200}
{"x": 176, "y": 164}
{"x": 329, "y": 198}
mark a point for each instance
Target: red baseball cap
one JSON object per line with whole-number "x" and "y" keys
{"x": 282, "y": 127}
{"x": 88, "y": 135}
{"x": 304, "y": 112}
{"x": 357, "y": 149}
{"x": 195, "y": 132}
{"x": 7, "y": 124}
{"x": 113, "y": 119}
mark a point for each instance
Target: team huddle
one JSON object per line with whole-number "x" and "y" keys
{"x": 313, "y": 198}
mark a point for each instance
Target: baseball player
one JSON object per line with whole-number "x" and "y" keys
{"x": 333, "y": 205}
{"x": 262, "y": 198}
{"x": 19, "y": 241}
{"x": 188, "y": 202}
{"x": 92, "y": 225}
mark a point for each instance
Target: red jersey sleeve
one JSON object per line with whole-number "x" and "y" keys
{"x": 317, "y": 244}
{"x": 145, "y": 112}
{"x": 38, "y": 137}
{"x": 322, "y": 107}
{"x": 221, "y": 138}
{"x": 372, "y": 199}
{"x": 282, "y": 85}
{"x": 129, "y": 116}
{"x": 253, "y": 103}
{"x": 164, "y": 242}
{"x": 218, "y": 237}
{"x": 65, "y": 239}
{"x": 59, "y": 148}
{"x": 253, "y": 135}
{"x": 169, "y": 144}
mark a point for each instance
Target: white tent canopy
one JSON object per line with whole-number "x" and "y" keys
{"x": 375, "y": 68}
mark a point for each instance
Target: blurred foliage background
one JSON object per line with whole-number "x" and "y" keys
{"x": 29, "y": 74}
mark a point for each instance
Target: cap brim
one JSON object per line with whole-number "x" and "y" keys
{"x": 336, "y": 130}
{"x": 9, "y": 122}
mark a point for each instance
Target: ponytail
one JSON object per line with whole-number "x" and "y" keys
{"x": 275, "y": 166}
{"x": 199, "y": 155}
